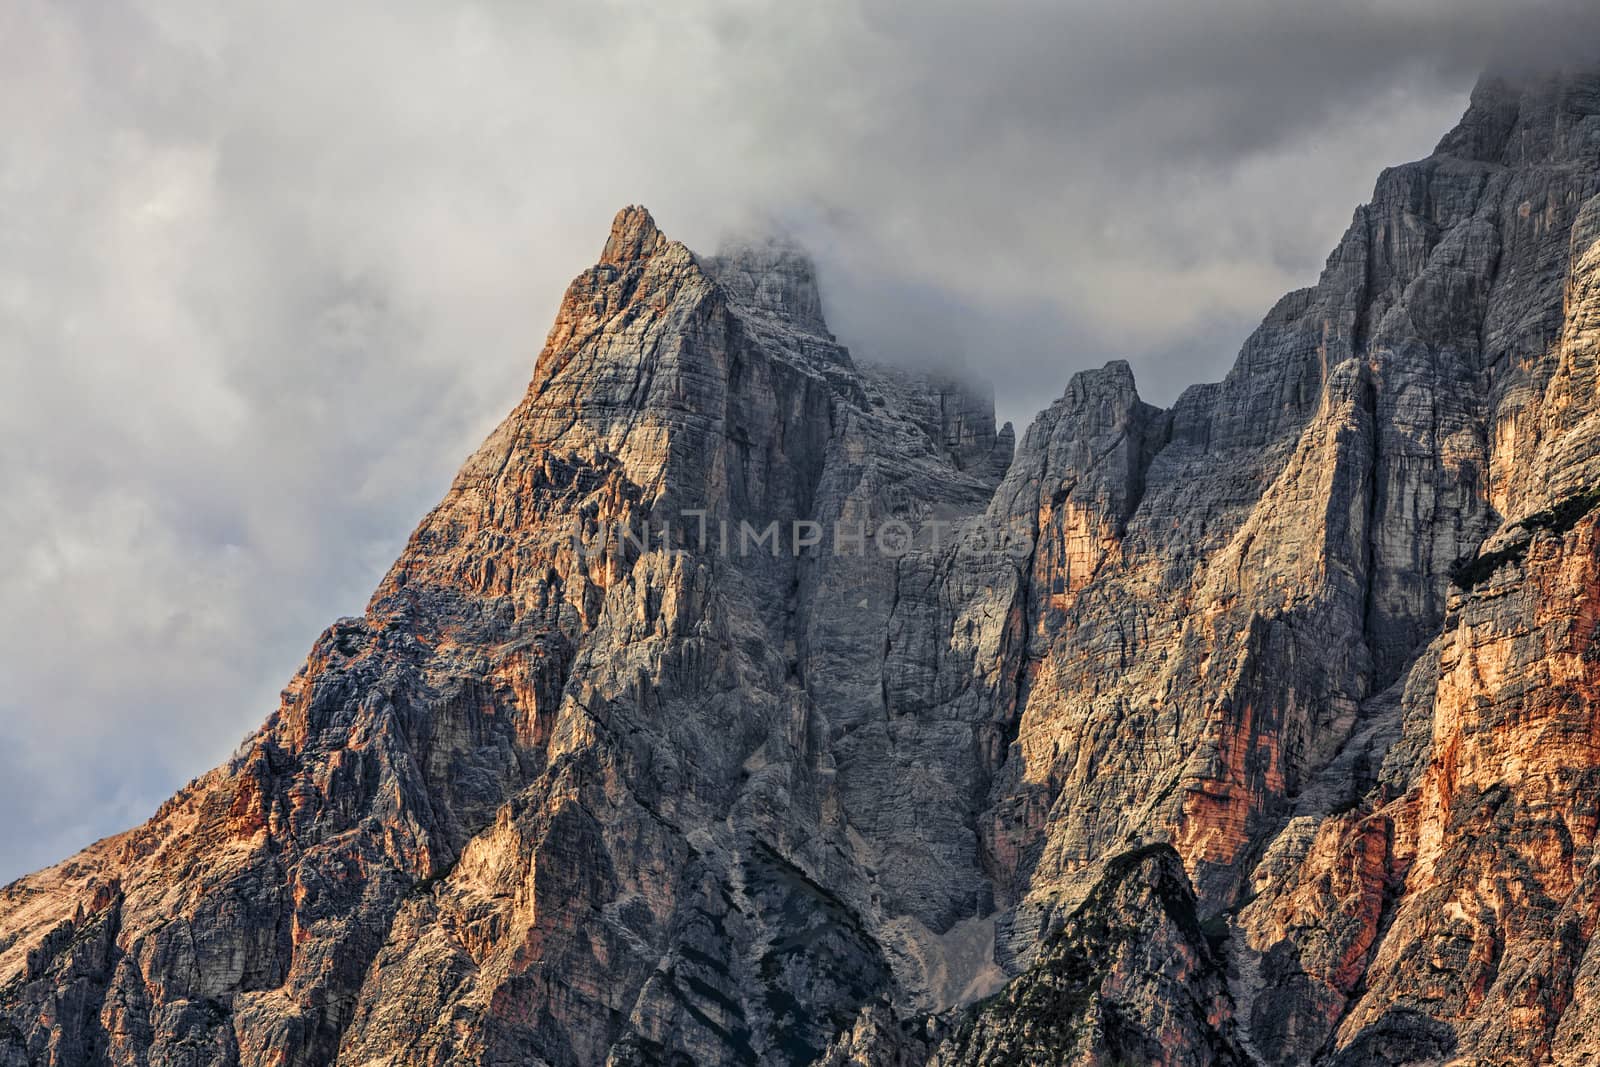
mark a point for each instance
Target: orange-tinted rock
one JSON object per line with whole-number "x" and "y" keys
{"x": 1275, "y": 742}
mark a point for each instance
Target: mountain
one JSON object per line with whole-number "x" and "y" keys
{"x": 1262, "y": 730}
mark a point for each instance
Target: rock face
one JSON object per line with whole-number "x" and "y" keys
{"x": 1130, "y": 977}
{"x": 744, "y": 703}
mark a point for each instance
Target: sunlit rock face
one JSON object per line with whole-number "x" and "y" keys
{"x": 743, "y": 702}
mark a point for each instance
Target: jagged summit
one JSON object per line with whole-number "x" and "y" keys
{"x": 462, "y": 835}
{"x": 634, "y": 236}
{"x": 1260, "y": 728}
{"x": 773, "y": 274}
{"x": 1515, "y": 120}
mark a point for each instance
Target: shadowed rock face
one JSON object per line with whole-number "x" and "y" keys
{"x": 1131, "y": 977}
{"x": 1269, "y": 736}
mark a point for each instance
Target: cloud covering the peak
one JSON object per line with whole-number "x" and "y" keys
{"x": 269, "y": 272}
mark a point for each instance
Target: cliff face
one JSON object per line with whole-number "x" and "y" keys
{"x": 1257, "y": 730}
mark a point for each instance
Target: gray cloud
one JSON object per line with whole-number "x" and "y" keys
{"x": 268, "y": 273}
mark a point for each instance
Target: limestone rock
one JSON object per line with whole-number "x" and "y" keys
{"x": 1130, "y": 977}
{"x": 742, "y": 702}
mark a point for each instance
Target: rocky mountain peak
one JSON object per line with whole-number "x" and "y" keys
{"x": 1257, "y": 730}
{"x": 634, "y": 236}
{"x": 1516, "y": 119}
{"x": 771, "y": 274}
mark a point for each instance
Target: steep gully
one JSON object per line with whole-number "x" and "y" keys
{"x": 1279, "y": 746}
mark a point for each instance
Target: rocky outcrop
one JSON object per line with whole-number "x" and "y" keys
{"x": 606, "y": 772}
{"x": 744, "y": 703}
{"x": 1130, "y": 977}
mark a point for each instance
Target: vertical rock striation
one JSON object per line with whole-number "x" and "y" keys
{"x": 1259, "y": 730}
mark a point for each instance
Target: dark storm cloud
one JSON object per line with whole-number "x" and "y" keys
{"x": 268, "y": 272}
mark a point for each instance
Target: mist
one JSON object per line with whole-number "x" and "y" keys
{"x": 269, "y": 273}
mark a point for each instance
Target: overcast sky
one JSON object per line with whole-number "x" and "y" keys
{"x": 268, "y": 272}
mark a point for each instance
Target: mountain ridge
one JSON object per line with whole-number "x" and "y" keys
{"x": 542, "y": 804}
